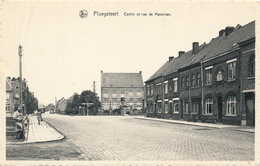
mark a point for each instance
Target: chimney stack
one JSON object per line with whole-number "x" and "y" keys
{"x": 171, "y": 58}
{"x": 221, "y": 32}
{"x": 195, "y": 47}
{"x": 181, "y": 53}
{"x": 140, "y": 71}
{"x": 229, "y": 30}
{"x": 101, "y": 71}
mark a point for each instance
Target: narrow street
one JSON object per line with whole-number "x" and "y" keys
{"x": 126, "y": 138}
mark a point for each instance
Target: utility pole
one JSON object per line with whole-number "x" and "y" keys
{"x": 20, "y": 78}
{"x": 94, "y": 87}
{"x": 94, "y": 91}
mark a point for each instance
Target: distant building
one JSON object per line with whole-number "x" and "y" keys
{"x": 50, "y": 107}
{"x": 61, "y": 105}
{"x": 124, "y": 91}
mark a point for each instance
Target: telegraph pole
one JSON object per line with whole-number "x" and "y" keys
{"x": 20, "y": 80}
{"x": 94, "y": 87}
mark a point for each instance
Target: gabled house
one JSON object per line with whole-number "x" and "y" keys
{"x": 122, "y": 91}
{"x": 154, "y": 92}
{"x": 61, "y": 105}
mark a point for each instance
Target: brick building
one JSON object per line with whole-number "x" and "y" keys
{"x": 13, "y": 93}
{"x": 215, "y": 81}
{"x": 122, "y": 91}
{"x": 9, "y": 96}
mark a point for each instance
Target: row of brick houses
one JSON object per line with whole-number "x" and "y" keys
{"x": 122, "y": 91}
{"x": 212, "y": 82}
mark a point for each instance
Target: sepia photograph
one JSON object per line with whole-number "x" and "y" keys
{"x": 129, "y": 83}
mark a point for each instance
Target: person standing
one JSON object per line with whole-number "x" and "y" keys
{"x": 39, "y": 116}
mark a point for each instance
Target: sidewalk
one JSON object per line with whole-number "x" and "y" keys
{"x": 37, "y": 133}
{"x": 41, "y": 133}
{"x": 250, "y": 129}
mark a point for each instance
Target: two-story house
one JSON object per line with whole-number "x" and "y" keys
{"x": 122, "y": 91}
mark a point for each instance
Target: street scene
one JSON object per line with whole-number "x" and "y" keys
{"x": 151, "y": 85}
{"x": 128, "y": 138}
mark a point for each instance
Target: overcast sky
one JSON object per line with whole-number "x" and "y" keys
{"x": 64, "y": 53}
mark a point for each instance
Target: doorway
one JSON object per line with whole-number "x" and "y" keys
{"x": 171, "y": 112}
{"x": 155, "y": 110}
{"x": 250, "y": 109}
{"x": 220, "y": 108}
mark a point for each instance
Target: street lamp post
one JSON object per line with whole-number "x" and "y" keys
{"x": 20, "y": 80}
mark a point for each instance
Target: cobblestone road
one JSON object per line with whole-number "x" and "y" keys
{"x": 126, "y": 138}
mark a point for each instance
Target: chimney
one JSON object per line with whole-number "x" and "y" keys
{"x": 195, "y": 47}
{"x": 140, "y": 71}
{"x": 221, "y": 32}
{"x": 229, "y": 30}
{"x": 181, "y": 53}
{"x": 171, "y": 58}
{"x": 101, "y": 71}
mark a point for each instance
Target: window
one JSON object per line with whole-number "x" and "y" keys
{"x": 187, "y": 81}
{"x": 166, "y": 107}
{"x": 175, "y": 84}
{"x": 139, "y": 94}
{"x": 159, "y": 106}
{"x": 165, "y": 87}
{"x": 139, "y": 106}
{"x": 114, "y": 94}
{"x": 106, "y": 105}
{"x": 198, "y": 79}
{"x": 251, "y": 66}
{"x": 148, "y": 90}
{"x": 186, "y": 110}
{"x": 182, "y": 82}
{"x": 130, "y": 94}
{"x": 159, "y": 88}
{"x": 193, "y": 80}
{"x": 175, "y": 106}
{"x": 219, "y": 76}
{"x": 151, "y": 89}
{"x": 105, "y": 94}
{"x": 232, "y": 70}
{"x": 115, "y": 105}
{"x": 209, "y": 106}
{"x": 195, "y": 106}
{"x": 231, "y": 105}
{"x": 122, "y": 93}
{"x": 208, "y": 74}
{"x": 7, "y": 96}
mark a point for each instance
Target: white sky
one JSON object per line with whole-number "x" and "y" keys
{"x": 64, "y": 53}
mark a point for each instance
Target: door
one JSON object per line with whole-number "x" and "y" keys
{"x": 220, "y": 108}
{"x": 182, "y": 108}
{"x": 250, "y": 109}
{"x": 155, "y": 110}
{"x": 171, "y": 111}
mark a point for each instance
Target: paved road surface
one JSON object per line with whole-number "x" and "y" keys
{"x": 126, "y": 138}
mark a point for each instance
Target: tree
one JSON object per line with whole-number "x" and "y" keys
{"x": 30, "y": 101}
{"x": 86, "y": 96}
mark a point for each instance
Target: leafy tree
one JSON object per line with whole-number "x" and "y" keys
{"x": 31, "y": 102}
{"x": 86, "y": 96}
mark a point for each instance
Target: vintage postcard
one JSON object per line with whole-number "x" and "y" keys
{"x": 129, "y": 83}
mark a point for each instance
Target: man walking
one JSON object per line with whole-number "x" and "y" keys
{"x": 39, "y": 116}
